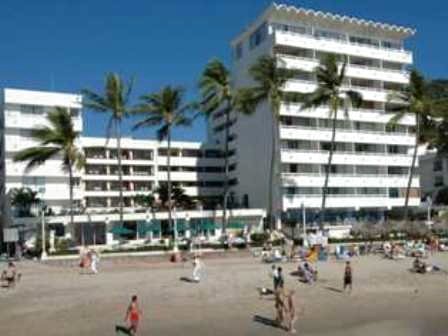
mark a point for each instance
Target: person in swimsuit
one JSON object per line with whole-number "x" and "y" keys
{"x": 290, "y": 311}
{"x": 348, "y": 276}
{"x": 133, "y": 316}
{"x": 279, "y": 307}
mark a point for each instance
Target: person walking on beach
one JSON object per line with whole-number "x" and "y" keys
{"x": 290, "y": 311}
{"x": 197, "y": 269}
{"x": 279, "y": 304}
{"x": 348, "y": 276}
{"x": 133, "y": 315}
{"x": 94, "y": 262}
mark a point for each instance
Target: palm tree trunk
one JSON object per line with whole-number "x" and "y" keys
{"x": 226, "y": 170}
{"x": 272, "y": 174}
{"x": 327, "y": 173}
{"x": 120, "y": 170}
{"x": 70, "y": 183}
{"x": 168, "y": 175}
{"x": 411, "y": 170}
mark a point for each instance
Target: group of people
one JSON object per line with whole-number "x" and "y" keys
{"x": 89, "y": 260}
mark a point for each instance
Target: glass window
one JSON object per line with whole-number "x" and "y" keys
{"x": 437, "y": 165}
{"x": 438, "y": 181}
{"x": 258, "y": 35}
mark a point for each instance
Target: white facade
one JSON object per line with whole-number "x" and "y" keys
{"x": 371, "y": 163}
{"x": 195, "y": 167}
{"x": 24, "y": 111}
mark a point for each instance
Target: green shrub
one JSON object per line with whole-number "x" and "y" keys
{"x": 259, "y": 237}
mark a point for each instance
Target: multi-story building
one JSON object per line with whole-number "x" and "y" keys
{"x": 196, "y": 167}
{"x": 23, "y": 112}
{"x": 371, "y": 162}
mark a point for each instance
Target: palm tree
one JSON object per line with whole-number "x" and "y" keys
{"x": 114, "y": 101}
{"x": 57, "y": 139}
{"x": 145, "y": 200}
{"x": 166, "y": 110}
{"x": 23, "y": 199}
{"x": 217, "y": 92}
{"x": 414, "y": 99}
{"x": 178, "y": 196}
{"x": 329, "y": 92}
{"x": 270, "y": 81}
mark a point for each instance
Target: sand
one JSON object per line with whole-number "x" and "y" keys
{"x": 387, "y": 299}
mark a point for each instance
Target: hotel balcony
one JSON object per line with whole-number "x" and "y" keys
{"x": 347, "y": 158}
{"x": 343, "y": 180}
{"x": 368, "y": 93}
{"x": 365, "y": 115}
{"x": 345, "y": 135}
{"x": 353, "y": 70}
{"x": 296, "y": 39}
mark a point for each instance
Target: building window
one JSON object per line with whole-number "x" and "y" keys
{"x": 394, "y": 193}
{"x": 438, "y": 181}
{"x": 437, "y": 165}
{"x": 258, "y": 35}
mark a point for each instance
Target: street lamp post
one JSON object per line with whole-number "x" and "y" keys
{"x": 305, "y": 241}
{"x": 429, "y": 201}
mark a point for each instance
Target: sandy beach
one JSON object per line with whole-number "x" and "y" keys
{"x": 387, "y": 299}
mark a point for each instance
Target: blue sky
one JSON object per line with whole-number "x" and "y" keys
{"x": 67, "y": 45}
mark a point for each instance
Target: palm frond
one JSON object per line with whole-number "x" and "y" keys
{"x": 35, "y": 156}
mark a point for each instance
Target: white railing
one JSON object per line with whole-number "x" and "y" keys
{"x": 320, "y": 151}
{"x": 351, "y": 130}
{"x": 317, "y": 38}
{"x": 350, "y": 65}
{"x": 346, "y": 175}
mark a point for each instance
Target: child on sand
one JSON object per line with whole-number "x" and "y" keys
{"x": 133, "y": 315}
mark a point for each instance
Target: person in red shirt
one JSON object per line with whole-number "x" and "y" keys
{"x": 133, "y": 315}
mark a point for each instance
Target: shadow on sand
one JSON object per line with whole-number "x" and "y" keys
{"x": 122, "y": 330}
{"x": 189, "y": 280}
{"x": 333, "y": 289}
{"x": 266, "y": 321}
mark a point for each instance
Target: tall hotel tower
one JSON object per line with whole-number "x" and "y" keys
{"x": 371, "y": 163}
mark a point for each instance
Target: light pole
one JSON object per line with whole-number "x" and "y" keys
{"x": 305, "y": 241}
{"x": 429, "y": 201}
{"x": 44, "y": 255}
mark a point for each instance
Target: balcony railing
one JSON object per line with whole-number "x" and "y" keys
{"x": 336, "y": 152}
{"x": 350, "y": 43}
{"x": 289, "y": 174}
{"x": 365, "y": 67}
{"x": 351, "y": 130}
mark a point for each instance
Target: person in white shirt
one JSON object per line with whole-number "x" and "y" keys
{"x": 94, "y": 262}
{"x": 196, "y": 269}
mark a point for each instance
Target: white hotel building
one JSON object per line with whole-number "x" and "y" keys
{"x": 371, "y": 163}
{"x": 196, "y": 167}
{"x": 370, "y": 166}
